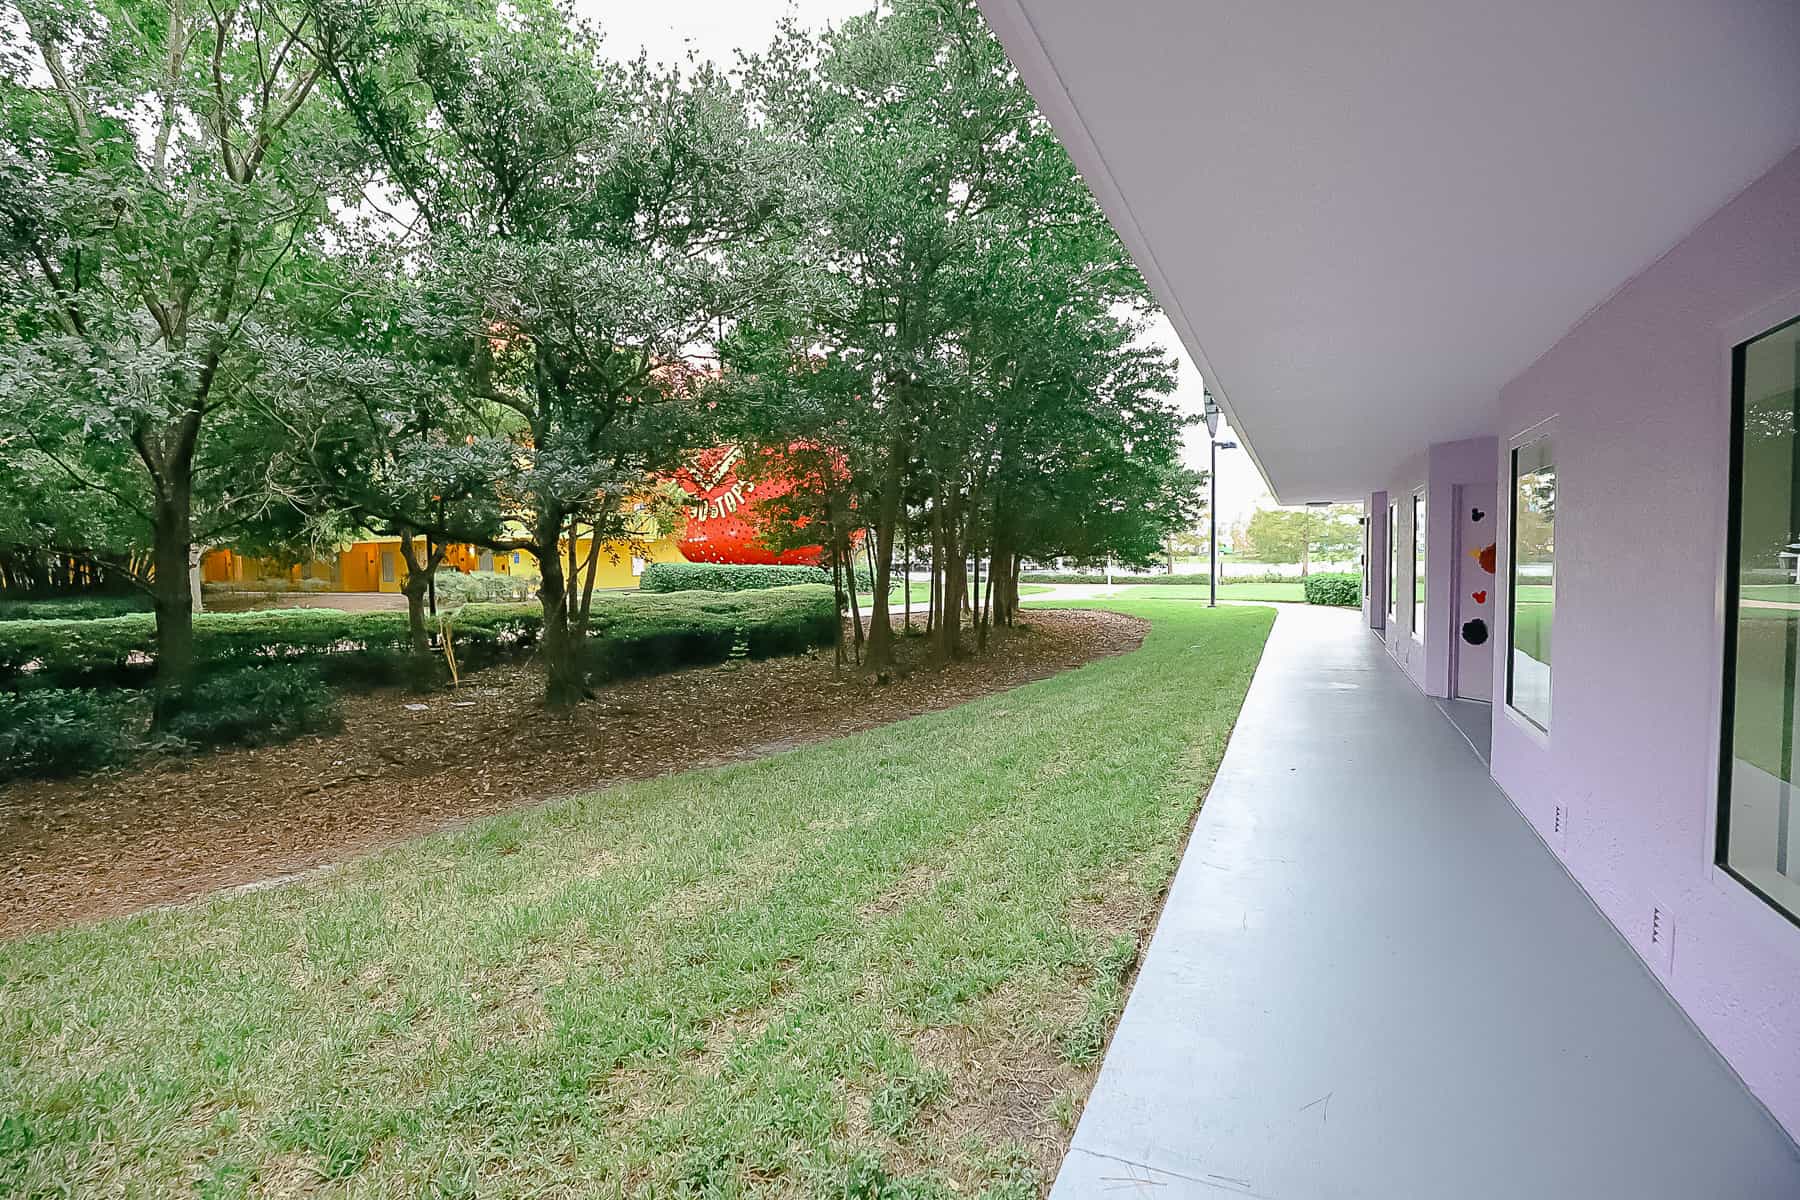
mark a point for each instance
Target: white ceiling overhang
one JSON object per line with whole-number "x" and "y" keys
{"x": 1363, "y": 219}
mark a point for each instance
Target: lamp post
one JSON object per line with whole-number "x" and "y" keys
{"x": 1212, "y": 512}
{"x": 1211, "y": 409}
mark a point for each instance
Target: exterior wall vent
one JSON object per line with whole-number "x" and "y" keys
{"x": 1662, "y": 940}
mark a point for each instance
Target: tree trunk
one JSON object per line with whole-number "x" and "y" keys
{"x": 565, "y": 683}
{"x": 171, "y": 530}
{"x": 955, "y": 582}
{"x": 837, "y": 604}
{"x": 906, "y": 575}
{"x": 881, "y": 629}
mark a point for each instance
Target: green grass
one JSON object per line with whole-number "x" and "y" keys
{"x": 1263, "y": 592}
{"x": 761, "y": 980}
{"x": 1760, "y": 701}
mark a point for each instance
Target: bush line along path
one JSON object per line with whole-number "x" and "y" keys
{"x": 879, "y": 966}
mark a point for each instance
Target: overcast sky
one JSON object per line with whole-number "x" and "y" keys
{"x": 717, "y": 29}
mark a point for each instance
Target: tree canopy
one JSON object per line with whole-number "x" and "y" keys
{"x": 286, "y": 272}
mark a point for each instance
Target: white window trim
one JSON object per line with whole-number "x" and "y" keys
{"x": 1416, "y": 595}
{"x": 1548, "y": 427}
{"x": 1774, "y": 928}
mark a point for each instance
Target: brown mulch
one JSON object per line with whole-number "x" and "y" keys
{"x": 172, "y": 828}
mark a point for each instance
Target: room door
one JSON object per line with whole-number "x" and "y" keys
{"x": 1472, "y": 642}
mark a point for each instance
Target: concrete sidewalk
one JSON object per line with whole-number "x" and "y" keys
{"x": 1371, "y": 979}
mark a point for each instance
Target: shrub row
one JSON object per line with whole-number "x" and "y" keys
{"x": 370, "y": 647}
{"x": 73, "y": 608}
{"x": 644, "y": 634}
{"x": 1340, "y": 589}
{"x": 740, "y": 577}
{"x": 725, "y": 577}
{"x": 251, "y": 706}
{"x": 279, "y": 691}
{"x": 51, "y": 732}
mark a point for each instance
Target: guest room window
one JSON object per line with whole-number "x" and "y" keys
{"x": 1533, "y": 580}
{"x": 1392, "y": 555}
{"x": 1759, "y": 813}
{"x": 1418, "y": 613}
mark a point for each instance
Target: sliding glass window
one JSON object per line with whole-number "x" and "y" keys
{"x": 1533, "y": 580}
{"x": 1418, "y": 612}
{"x": 1759, "y": 818}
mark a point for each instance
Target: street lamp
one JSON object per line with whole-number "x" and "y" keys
{"x": 1211, "y": 408}
{"x": 1212, "y": 539}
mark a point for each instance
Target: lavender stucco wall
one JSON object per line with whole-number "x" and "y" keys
{"x": 1636, "y": 398}
{"x": 1439, "y": 471}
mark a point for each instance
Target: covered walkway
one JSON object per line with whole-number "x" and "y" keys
{"x": 1371, "y": 979}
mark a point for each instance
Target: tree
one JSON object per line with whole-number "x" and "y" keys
{"x": 585, "y": 229}
{"x": 966, "y": 348}
{"x": 163, "y": 161}
{"x": 1286, "y": 535}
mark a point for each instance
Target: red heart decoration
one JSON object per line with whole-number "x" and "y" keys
{"x": 1480, "y": 597}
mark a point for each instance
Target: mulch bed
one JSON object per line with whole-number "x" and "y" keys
{"x": 173, "y": 828}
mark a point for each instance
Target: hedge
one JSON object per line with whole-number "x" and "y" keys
{"x": 690, "y": 627}
{"x": 72, "y": 608}
{"x": 724, "y": 577}
{"x": 1333, "y": 588}
{"x": 644, "y": 634}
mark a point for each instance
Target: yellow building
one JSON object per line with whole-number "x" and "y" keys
{"x": 376, "y": 565}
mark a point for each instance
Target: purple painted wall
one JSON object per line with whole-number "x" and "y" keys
{"x": 1637, "y": 399}
{"x": 1440, "y": 471}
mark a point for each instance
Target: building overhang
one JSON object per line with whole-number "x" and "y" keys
{"x": 1364, "y": 219}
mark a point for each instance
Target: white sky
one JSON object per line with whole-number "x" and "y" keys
{"x": 717, "y": 29}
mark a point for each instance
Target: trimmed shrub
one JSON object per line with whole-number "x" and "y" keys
{"x": 51, "y": 732}
{"x": 261, "y": 587}
{"x": 1344, "y": 590}
{"x": 634, "y": 633}
{"x": 253, "y": 706}
{"x": 645, "y": 634}
{"x": 725, "y": 577}
{"x": 72, "y": 608}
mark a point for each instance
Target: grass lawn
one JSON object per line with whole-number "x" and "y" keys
{"x": 1288, "y": 592}
{"x": 876, "y": 967}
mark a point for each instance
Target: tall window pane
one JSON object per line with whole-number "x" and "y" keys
{"x": 1418, "y": 613}
{"x": 1392, "y": 553}
{"x": 1760, "y": 824}
{"x": 1533, "y": 580}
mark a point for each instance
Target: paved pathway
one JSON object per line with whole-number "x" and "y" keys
{"x": 1372, "y": 980}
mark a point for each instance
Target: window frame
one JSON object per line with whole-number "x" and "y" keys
{"x": 1543, "y": 432}
{"x": 1727, "y": 730}
{"x": 1421, "y": 548}
{"x": 1393, "y": 561}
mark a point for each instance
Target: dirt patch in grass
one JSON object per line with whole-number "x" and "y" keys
{"x": 168, "y": 830}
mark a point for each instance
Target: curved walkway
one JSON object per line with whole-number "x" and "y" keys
{"x": 1371, "y": 979}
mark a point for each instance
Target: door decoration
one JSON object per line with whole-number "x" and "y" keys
{"x": 1475, "y": 631}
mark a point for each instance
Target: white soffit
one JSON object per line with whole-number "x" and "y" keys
{"x": 1365, "y": 218}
